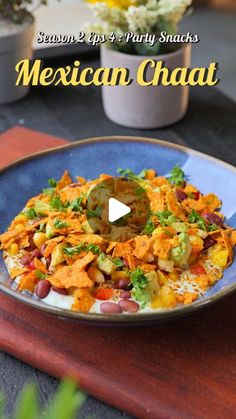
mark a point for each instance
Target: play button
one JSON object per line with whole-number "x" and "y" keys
{"x": 117, "y": 209}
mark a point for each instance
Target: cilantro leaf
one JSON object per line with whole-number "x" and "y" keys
{"x": 118, "y": 262}
{"x": 52, "y": 183}
{"x": 30, "y": 214}
{"x": 56, "y": 203}
{"x": 149, "y": 227}
{"x": 93, "y": 248}
{"x": 76, "y": 205}
{"x": 177, "y": 176}
{"x": 94, "y": 213}
{"x": 75, "y": 250}
{"x": 140, "y": 282}
{"x": 60, "y": 224}
{"x": 166, "y": 218}
{"x": 82, "y": 247}
{"x": 40, "y": 275}
{"x": 131, "y": 175}
{"x": 212, "y": 227}
{"x": 196, "y": 218}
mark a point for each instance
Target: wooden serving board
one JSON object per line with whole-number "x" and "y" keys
{"x": 181, "y": 369}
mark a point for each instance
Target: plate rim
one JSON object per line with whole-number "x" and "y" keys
{"x": 101, "y": 318}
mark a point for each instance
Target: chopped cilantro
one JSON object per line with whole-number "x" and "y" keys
{"x": 30, "y": 213}
{"x": 76, "y": 205}
{"x": 60, "y": 224}
{"x": 212, "y": 227}
{"x": 166, "y": 218}
{"x": 118, "y": 262}
{"x": 131, "y": 175}
{"x": 48, "y": 191}
{"x": 140, "y": 282}
{"x": 56, "y": 203}
{"x": 149, "y": 227}
{"x": 82, "y": 247}
{"x": 94, "y": 213}
{"x": 93, "y": 248}
{"x": 40, "y": 275}
{"x": 139, "y": 192}
{"x": 52, "y": 183}
{"x": 75, "y": 250}
{"x": 195, "y": 218}
{"x": 177, "y": 176}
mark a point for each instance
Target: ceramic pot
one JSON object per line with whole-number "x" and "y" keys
{"x": 145, "y": 107}
{"x": 15, "y": 45}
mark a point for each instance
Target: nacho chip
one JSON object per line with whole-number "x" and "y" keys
{"x": 28, "y": 282}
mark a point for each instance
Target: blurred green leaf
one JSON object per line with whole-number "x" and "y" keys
{"x": 27, "y": 404}
{"x": 66, "y": 401}
{"x": 1, "y": 406}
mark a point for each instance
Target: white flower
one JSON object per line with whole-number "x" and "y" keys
{"x": 140, "y": 19}
{"x": 173, "y": 10}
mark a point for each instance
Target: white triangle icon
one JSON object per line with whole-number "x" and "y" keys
{"x": 116, "y": 210}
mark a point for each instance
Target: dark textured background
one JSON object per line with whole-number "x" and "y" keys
{"x": 74, "y": 113}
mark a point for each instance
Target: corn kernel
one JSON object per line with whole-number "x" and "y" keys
{"x": 13, "y": 249}
{"x": 169, "y": 300}
{"x": 21, "y": 218}
{"x": 220, "y": 258}
{"x": 20, "y": 226}
{"x": 174, "y": 276}
{"x": 157, "y": 302}
{"x": 39, "y": 239}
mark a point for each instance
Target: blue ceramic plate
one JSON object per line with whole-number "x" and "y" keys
{"x": 26, "y": 177}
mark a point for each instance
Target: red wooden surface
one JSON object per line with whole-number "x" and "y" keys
{"x": 182, "y": 369}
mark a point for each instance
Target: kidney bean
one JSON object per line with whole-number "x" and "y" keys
{"x": 110, "y": 308}
{"x": 196, "y": 195}
{"x": 125, "y": 295}
{"x": 208, "y": 242}
{"x": 32, "y": 245}
{"x": 61, "y": 291}
{"x": 129, "y": 305}
{"x": 122, "y": 283}
{"x": 126, "y": 263}
{"x": 42, "y": 289}
{"x": 36, "y": 254}
{"x": 48, "y": 261}
{"x": 42, "y": 250}
{"x": 180, "y": 195}
{"x": 31, "y": 265}
{"x": 26, "y": 259}
{"x": 214, "y": 219}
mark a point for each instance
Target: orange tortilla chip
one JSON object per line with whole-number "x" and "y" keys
{"x": 14, "y": 272}
{"x": 211, "y": 201}
{"x": 142, "y": 246}
{"x": 161, "y": 248}
{"x": 64, "y": 181}
{"x": 83, "y": 300}
{"x": 228, "y": 245}
{"x": 28, "y": 282}
{"x": 69, "y": 276}
{"x": 233, "y": 238}
{"x": 51, "y": 244}
{"x": 40, "y": 266}
{"x": 192, "y": 204}
{"x": 174, "y": 206}
{"x": 82, "y": 263}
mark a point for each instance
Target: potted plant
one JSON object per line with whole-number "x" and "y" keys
{"x": 16, "y": 36}
{"x": 134, "y": 105}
